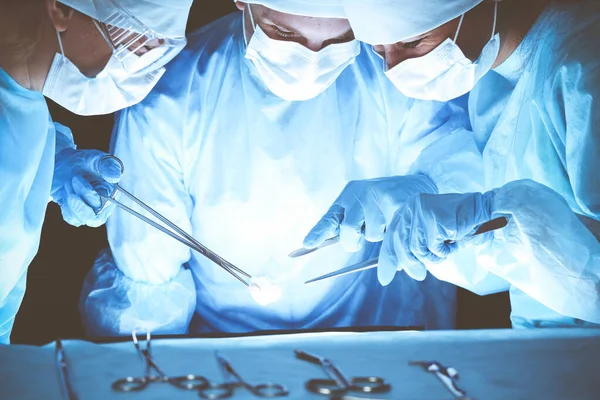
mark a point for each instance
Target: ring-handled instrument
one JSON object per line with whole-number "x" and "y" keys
{"x": 110, "y": 193}
{"x": 63, "y": 371}
{"x": 339, "y": 384}
{"x": 154, "y": 374}
{"x": 233, "y": 381}
{"x": 447, "y": 375}
{"x": 496, "y": 223}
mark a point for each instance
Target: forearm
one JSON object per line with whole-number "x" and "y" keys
{"x": 546, "y": 251}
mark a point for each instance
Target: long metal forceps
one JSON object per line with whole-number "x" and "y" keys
{"x": 496, "y": 223}
{"x": 63, "y": 371}
{"x": 233, "y": 381}
{"x": 340, "y": 384}
{"x": 131, "y": 384}
{"x": 108, "y": 193}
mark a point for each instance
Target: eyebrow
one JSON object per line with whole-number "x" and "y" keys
{"x": 279, "y": 24}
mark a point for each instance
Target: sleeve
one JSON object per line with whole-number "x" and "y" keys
{"x": 545, "y": 251}
{"x": 9, "y": 306}
{"x": 113, "y": 304}
{"x": 64, "y": 138}
{"x": 145, "y": 282}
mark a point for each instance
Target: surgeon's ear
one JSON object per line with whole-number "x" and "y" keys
{"x": 59, "y": 14}
{"x": 240, "y": 5}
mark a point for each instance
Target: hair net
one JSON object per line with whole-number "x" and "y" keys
{"x": 309, "y": 8}
{"x": 165, "y": 17}
{"x": 391, "y": 21}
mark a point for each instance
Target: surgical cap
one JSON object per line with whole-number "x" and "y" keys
{"x": 308, "y": 8}
{"x": 165, "y": 17}
{"x": 392, "y": 21}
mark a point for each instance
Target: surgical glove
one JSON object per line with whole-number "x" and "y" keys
{"x": 364, "y": 208}
{"x": 74, "y": 174}
{"x": 420, "y": 231}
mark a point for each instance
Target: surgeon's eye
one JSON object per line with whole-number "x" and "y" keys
{"x": 283, "y": 33}
{"x": 412, "y": 45}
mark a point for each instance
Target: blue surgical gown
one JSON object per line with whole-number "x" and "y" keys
{"x": 28, "y": 142}
{"x": 535, "y": 122}
{"x": 248, "y": 174}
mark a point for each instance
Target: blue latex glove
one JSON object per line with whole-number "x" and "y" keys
{"x": 74, "y": 173}
{"x": 417, "y": 234}
{"x": 364, "y": 208}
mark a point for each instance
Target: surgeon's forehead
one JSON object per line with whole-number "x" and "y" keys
{"x": 302, "y": 24}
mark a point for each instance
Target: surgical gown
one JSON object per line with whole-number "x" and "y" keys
{"x": 536, "y": 120}
{"x": 248, "y": 174}
{"x": 28, "y": 141}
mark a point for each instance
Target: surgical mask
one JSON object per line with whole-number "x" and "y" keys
{"x": 293, "y": 72}
{"x": 445, "y": 73}
{"x": 111, "y": 90}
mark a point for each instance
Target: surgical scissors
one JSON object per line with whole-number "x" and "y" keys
{"x": 130, "y": 384}
{"x": 340, "y": 384}
{"x": 233, "y": 380}
{"x": 447, "y": 375}
{"x": 108, "y": 193}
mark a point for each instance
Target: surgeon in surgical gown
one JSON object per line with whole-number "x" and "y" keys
{"x": 245, "y": 157}
{"x": 62, "y": 50}
{"x": 533, "y": 72}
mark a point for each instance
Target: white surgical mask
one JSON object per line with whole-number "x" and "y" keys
{"x": 444, "y": 73}
{"x": 111, "y": 90}
{"x": 293, "y": 72}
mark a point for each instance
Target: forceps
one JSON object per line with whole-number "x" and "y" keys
{"x": 130, "y": 384}
{"x": 233, "y": 380}
{"x": 340, "y": 384}
{"x": 489, "y": 226}
{"x": 447, "y": 375}
{"x": 63, "y": 371}
{"x": 108, "y": 193}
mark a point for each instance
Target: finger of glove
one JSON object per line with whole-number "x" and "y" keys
{"x": 67, "y": 214}
{"x": 388, "y": 261}
{"x": 409, "y": 240}
{"x": 351, "y": 229}
{"x": 84, "y": 189}
{"x": 374, "y": 226}
{"x": 109, "y": 168}
{"x": 419, "y": 245}
{"x": 327, "y": 227}
{"x": 78, "y": 206}
{"x": 101, "y": 218}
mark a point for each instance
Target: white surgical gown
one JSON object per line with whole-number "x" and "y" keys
{"x": 28, "y": 142}
{"x": 536, "y": 121}
{"x": 248, "y": 174}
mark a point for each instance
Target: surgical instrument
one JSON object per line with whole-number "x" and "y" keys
{"x": 331, "y": 241}
{"x": 496, "y": 223}
{"x": 108, "y": 193}
{"x": 447, "y": 375}
{"x": 340, "y": 384}
{"x": 233, "y": 381}
{"x": 130, "y": 384}
{"x": 63, "y": 371}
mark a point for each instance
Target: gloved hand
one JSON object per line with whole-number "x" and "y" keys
{"x": 364, "y": 208}
{"x": 418, "y": 231}
{"x": 74, "y": 173}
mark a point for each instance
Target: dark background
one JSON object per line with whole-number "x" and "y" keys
{"x": 66, "y": 253}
